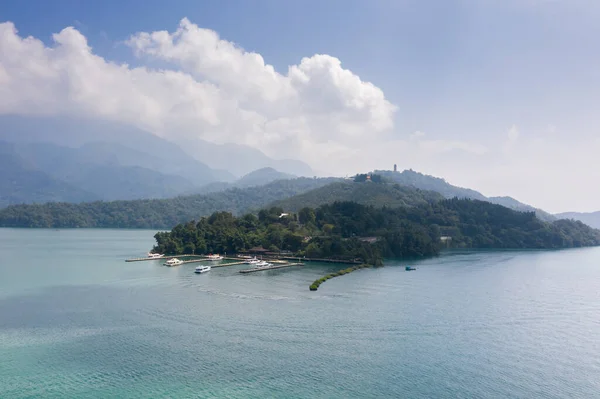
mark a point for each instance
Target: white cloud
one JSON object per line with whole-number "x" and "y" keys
{"x": 215, "y": 91}
{"x": 316, "y": 111}
{"x": 417, "y": 135}
{"x": 513, "y": 134}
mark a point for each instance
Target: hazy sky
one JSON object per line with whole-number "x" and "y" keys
{"x": 500, "y": 96}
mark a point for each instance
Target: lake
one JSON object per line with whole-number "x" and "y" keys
{"x": 76, "y": 321}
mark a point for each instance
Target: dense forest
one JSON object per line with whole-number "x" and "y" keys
{"x": 352, "y": 230}
{"x": 421, "y": 181}
{"x": 157, "y": 213}
{"x": 366, "y": 193}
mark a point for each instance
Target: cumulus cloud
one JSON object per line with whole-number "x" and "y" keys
{"x": 215, "y": 91}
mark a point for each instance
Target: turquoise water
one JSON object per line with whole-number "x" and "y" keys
{"x": 78, "y": 322}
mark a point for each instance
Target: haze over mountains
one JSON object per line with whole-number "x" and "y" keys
{"x": 83, "y": 160}
{"x": 592, "y": 219}
{"x": 54, "y": 159}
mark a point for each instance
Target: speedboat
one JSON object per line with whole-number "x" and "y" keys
{"x": 409, "y": 268}
{"x": 202, "y": 269}
{"x": 173, "y": 262}
{"x": 154, "y": 256}
{"x": 215, "y": 257}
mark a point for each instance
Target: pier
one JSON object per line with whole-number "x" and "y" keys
{"x": 228, "y": 264}
{"x": 272, "y": 267}
{"x": 161, "y": 258}
{"x": 216, "y": 264}
{"x": 345, "y": 261}
{"x": 278, "y": 261}
{"x": 201, "y": 258}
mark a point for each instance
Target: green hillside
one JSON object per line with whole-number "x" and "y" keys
{"x": 426, "y": 182}
{"x": 20, "y": 182}
{"x": 590, "y": 218}
{"x": 339, "y": 230}
{"x": 367, "y": 193}
{"x": 158, "y": 213}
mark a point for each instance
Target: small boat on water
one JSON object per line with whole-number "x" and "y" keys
{"x": 252, "y": 261}
{"x": 202, "y": 269}
{"x": 154, "y": 256}
{"x": 215, "y": 257}
{"x": 173, "y": 262}
{"x": 409, "y": 268}
{"x": 262, "y": 263}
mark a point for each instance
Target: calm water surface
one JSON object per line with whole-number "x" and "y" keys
{"x": 78, "y": 322}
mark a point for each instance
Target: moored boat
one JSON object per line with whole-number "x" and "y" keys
{"x": 154, "y": 256}
{"x": 215, "y": 257}
{"x": 262, "y": 263}
{"x": 173, "y": 262}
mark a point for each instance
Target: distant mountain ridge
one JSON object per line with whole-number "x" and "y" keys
{"x": 21, "y": 182}
{"x": 239, "y": 159}
{"x": 83, "y": 174}
{"x": 155, "y": 213}
{"x": 373, "y": 194}
{"x": 262, "y": 176}
{"x": 426, "y": 182}
{"x": 590, "y": 218}
{"x": 255, "y": 178}
{"x": 84, "y": 160}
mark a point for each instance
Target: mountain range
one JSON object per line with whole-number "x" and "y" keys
{"x": 155, "y": 213}
{"x": 390, "y": 195}
{"x": 62, "y": 159}
{"x": 56, "y": 159}
{"x": 439, "y": 185}
{"x": 592, "y": 219}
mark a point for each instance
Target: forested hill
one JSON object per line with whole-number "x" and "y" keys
{"x": 415, "y": 179}
{"x": 351, "y": 230}
{"x": 590, "y": 218}
{"x": 366, "y": 193}
{"x": 163, "y": 213}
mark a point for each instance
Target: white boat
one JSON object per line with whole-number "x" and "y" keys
{"x": 202, "y": 269}
{"x": 215, "y": 257}
{"x": 154, "y": 256}
{"x": 252, "y": 261}
{"x": 173, "y": 262}
{"x": 262, "y": 263}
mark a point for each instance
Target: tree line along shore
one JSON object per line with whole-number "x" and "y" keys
{"x": 369, "y": 234}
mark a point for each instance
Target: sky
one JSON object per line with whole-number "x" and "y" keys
{"x": 499, "y": 96}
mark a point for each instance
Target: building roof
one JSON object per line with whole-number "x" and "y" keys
{"x": 258, "y": 249}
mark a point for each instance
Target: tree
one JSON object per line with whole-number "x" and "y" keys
{"x": 359, "y": 178}
{"x": 328, "y": 228}
{"x": 306, "y": 215}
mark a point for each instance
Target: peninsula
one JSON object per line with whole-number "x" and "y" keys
{"x": 367, "y": 234}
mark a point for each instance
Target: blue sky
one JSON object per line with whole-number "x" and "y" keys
{"x": 494, "y": 87}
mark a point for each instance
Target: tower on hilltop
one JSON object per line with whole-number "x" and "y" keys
{"x": 395, "y": 168}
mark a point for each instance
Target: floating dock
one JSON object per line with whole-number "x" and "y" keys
{"x": 272, "y": 267}
{"x": 238, "y": 261}
{"x": 201, "y": 258}
{"x": 349, "y": 262}
{"x": 161, "y": 258}
{"x": 228, "y": 264}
